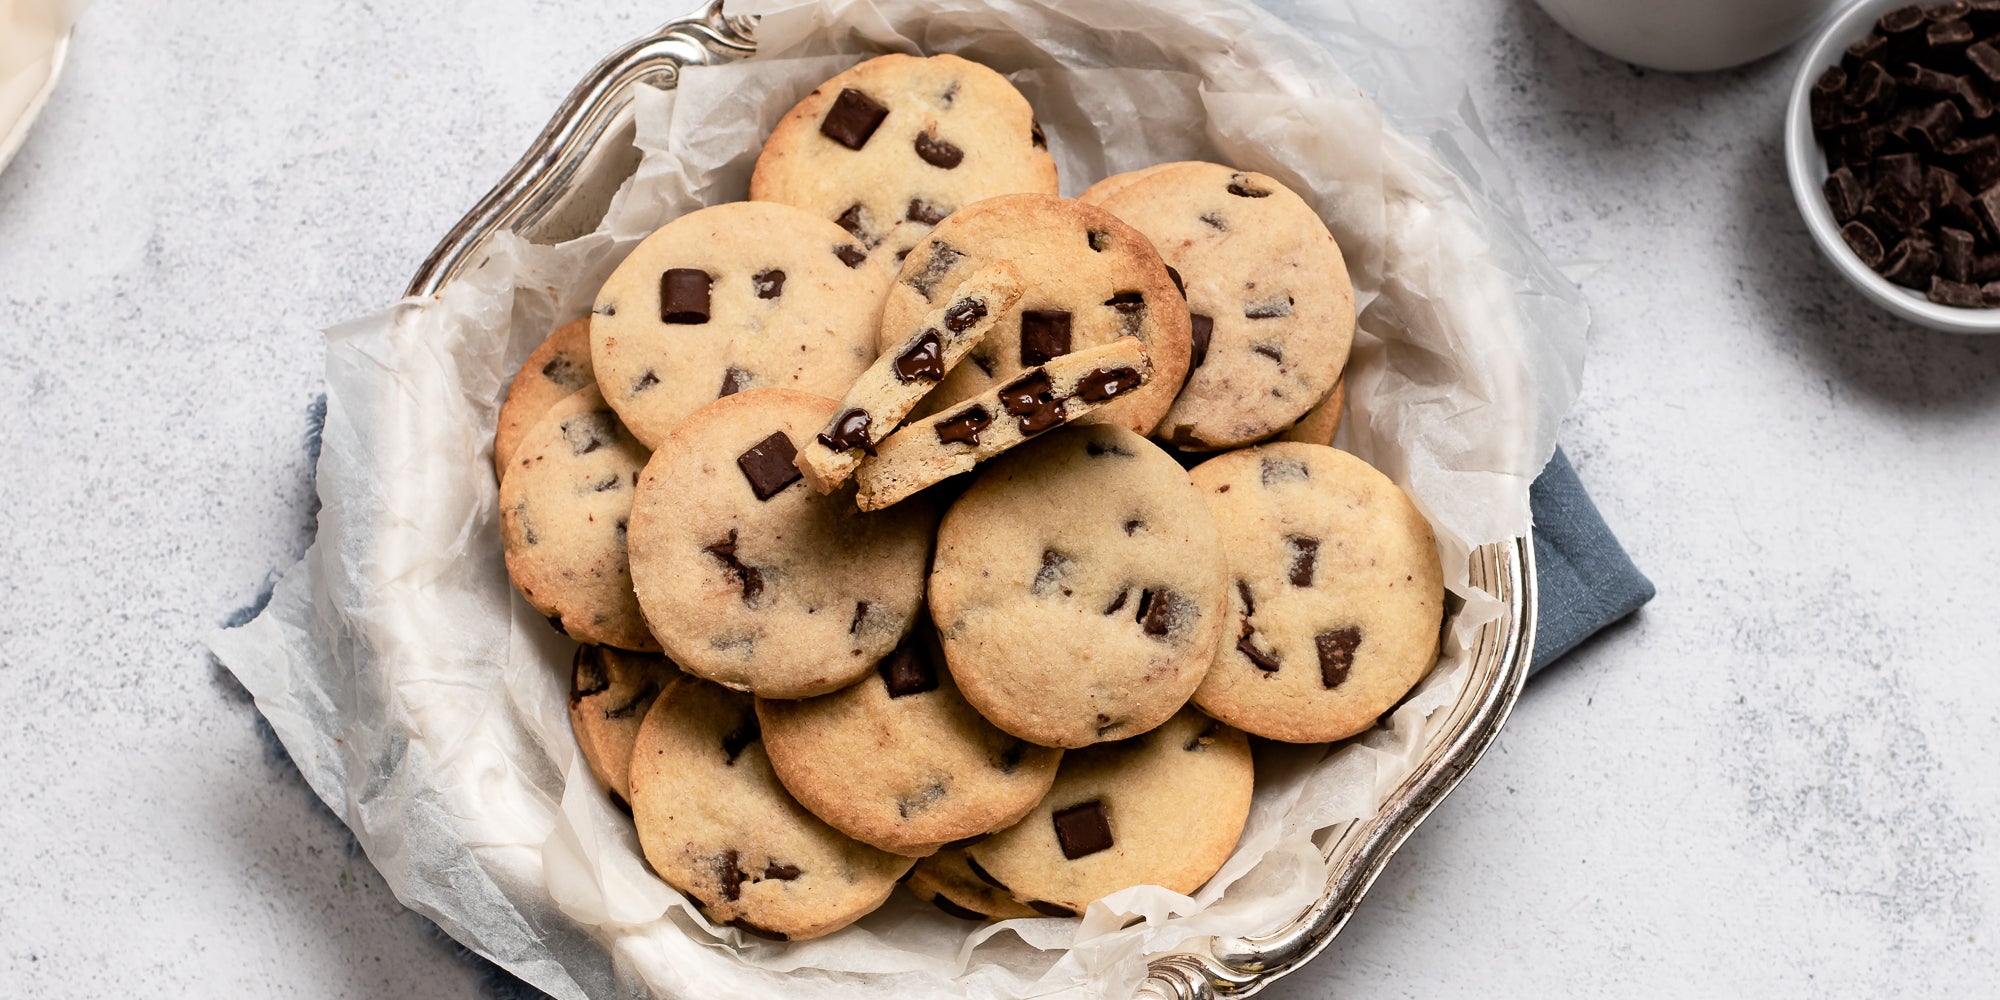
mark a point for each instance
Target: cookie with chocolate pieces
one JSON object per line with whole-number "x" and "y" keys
{"x": 557, "y": 369}
{"x": 610, "y": 692}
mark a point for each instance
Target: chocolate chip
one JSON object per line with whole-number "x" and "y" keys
{"x": 860, "y": 616}
{"x": 925, "y": 212}
{"x": 1055, "y": 566}
{"x": 1946, "y": 292}
{"x": 1242, "y": 186}
{"x": 855, "y": 221}
{"x": 1843, "y": 194}
{"x": 646, "y": 380}
{"x": 1305, "y": 558}
{"x": 1107, "y": 383}
{"x": 1011, "y": 757}
{"x": 964, "y": 426}
{"x": 563, "y": 372}
{"x": 1871, "y": 89}
{"x": 1978, "y": 158}
{"x": 748, "y": 577}
{"x": 780, "y": 872}
{"x": 1901, "y": 20}
{"x": 853, "y": 118}
{"x": 1930, "y": 81}
{"x": 1336, "y": 654}
{"x": 587, "y": 432}
{"x": 1083, "y": 829}
{"x": 1203, "y": 739}
{"x": 1863, "y": 242}
{"x": 684, "y": 296}
{"x": 1262, "y": 660}
{"x": 956, "y": 910}
{"x": 979, "y": 872}
{"x": 1943, "y": 36}
{"x": 1215, "y": 222}
{"x": 937, "y": 152}
{"x": 1955, "y": 254}
{"x": 930, "y": 796}
{"x": 1133, "y": 524}
{"x": 849, "y": 430}
{"x": 1158, "y": 611}
{"x": 1127, "y": 302}
{"x": 907, "y": 671}
{"x": 638, "y": 703}
{"x": 1037, "y": 136}
{"x": 1249, "y": 602}
{"x": 923, "y": 360}
{"x": 851, "y": 255}
{"x": 1202, "y": 327}
{"x": 1118, "y": 602}
{"x": 1270, "y": 309}
{"x": 1098, "y": 449}
{"x": 1272, "y": 351}
{"x": 1044, "y": 335}
{"x": 734, "y": 380}
{"x": 768, "y": 465}
{"x": 1274, "y": 471}
{"x": 727, "y": 874}
{"x": 1048, "y": 909}
{"x": 770, "y": 284}
{"x": 1098, "y": 239}
{"x": 1912, "y": 263}
{"x": 942, "y": 260}
{"x": 588, "y": 675}
{"x": 1032, "y": 400}
{"x": 963, "y": 314}
{"x": 1984, "y": 58}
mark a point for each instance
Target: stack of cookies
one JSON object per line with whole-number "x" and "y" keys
{"x": 921, "y": 526}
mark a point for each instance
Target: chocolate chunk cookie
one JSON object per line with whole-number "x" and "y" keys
{"x": 715, "y": 824}
{"x": 1322, "y": 423}
{"x": 1164, "y": 808}
{"x": 900, "y": 761}
{"x": 1079, "y": 588}
{"x": 905, "y": 373}
{"x": 734, "y": 297}
{"x": 1335, "y": 588}
{"x": 609, "y": 693}
{"x": 1065, "y": 389}
{"x": 1090, "y": 280}
{"x": 903, "y": 139}
{"x": 749, "y": 577}
{"x": 947, "y": 881}
{"x": 557, "y": 369}
{"x": 1273, "y": 311}
{"x": 564, "y": 503}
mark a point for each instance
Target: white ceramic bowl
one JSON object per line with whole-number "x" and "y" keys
{"x": 1805, "y": 162}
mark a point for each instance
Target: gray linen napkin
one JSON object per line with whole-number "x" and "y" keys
{"x": 1586, "y": 579}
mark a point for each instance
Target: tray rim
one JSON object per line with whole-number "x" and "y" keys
{"x": 533, "y": 191}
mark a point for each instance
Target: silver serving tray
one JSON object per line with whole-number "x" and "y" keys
{"x": 560, "y": 190}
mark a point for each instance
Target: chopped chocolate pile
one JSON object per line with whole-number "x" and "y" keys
{"x": 1913, "y": 149}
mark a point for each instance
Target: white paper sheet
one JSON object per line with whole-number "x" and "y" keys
{"x": 427, "y": 704}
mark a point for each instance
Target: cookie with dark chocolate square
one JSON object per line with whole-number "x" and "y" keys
{"x": 948, "y": 881}
{"x": 1336, "y": 592}
{"x": 715, "y": 824}
{"x": 749, "y": 577}
{"x": 565, "y": 498}
{"x": 1272, "y": 310}
{"x": 1164, "y": 808}
{"x": 1090, "y": 279}
{"x": 1079, "y": 587}
{"x": 610, "y": 691}
{"x": 903, "y": 138}
{"x": 901, "y": 761}
{"x": 557, "y": 369}
{"x": 740, "y": 296}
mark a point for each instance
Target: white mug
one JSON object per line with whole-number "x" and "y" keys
{"x": 1688, "y": 35}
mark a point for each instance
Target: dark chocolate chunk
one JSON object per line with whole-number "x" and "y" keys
{"x": 924, "y": 359}
{"x": 1202, "y": 739}
{"x": 848, "y": 430}
{"x": 652, "y": 690}
{"x": 1305, "y": 559}
{"x": 1988, "y": 205}
{"x": 1904, "y": 170}
{"x": 1272, "y": 351}
{"x": 930, "y": 796}
{"x": 1843, "y": 194}
{"x": 1963, "y": 295}
{"x": 849, "y": 254}
{"x": 942, "y": 260}
{"x": 780, "y": 872}
{"x": 1179, "y": 285}
{"x": 734, "y": 380}
{"x": 684, "y": 296}
{"x": 1048, "y": 909}
{"x": 1118, "y": 602}
{"x": 1930, "y": 81}
{"x": 1215, "y": 222}
{"x": 925, "y": 212}
{"x": 979, "y": 872}
{"x": 768, "y": 465}
{"x": 1044, "y": 335}
{"x": 1863, "y": 242}
{"x": 860, "y": 615}
{"x": 1928, "y": 128}
{"x": 563, "y": 372}
{"x": 1985, "y": 268}
{"x": 907, "y": 671}
{"x": 1984, "y": 58}
{"x": 1049, "y": 578}
{"x": 646, "y": 380}
{"x": 855, "y": 221}
{"x": 1249, "y": 602}
{"x": 1098, "y": 239}
{"x": 1336, "y": 654}
{"x": 608, "y": 483}
{"x": 1870, "y": 89}
{"x": 964, "y": 426}
{"x": 1978, "y": 160}
{"x": 748, "y": 577}
{"x": 1242, "y": 186}
{"x": 963, "y": 313}
{"x": 1901, "y": 20}
{"x": 1036, "y": 135}
{"x": 1246, "y": 644}
{"x": 937, "y": 152}
{"x": 1011, "y": 757}
{"x": 1202, "y": 327}
{"x": 1869, "y": 49}
{"x": 1947, "y": 36}
{"x": 587, "y": 432}
{"x": 1158, "y": 611}
{"x": 1127, "y": 302}
{"x": 739, "y": 739}
{"x": 1032, "y": 400}
{"x": 770, "y": 284}
{"x": 1133, "y": 524}
{"x": 853, "y": 118}
{"x": 1946, "y": 11}
{"x": 1976, "y": 98}
{"x": 1083, "y": 829}
{"x": 956, "y": 910}
{"x": 1991, "y": 293}
{"x": 1912, "y": 263}
{"x": 1103, "y": 384}
{"x": 728, "y": 876}
{"x": 587, "y": 674}
{"x": 1955, "y": 254}
{"x": 1271, "y": 309}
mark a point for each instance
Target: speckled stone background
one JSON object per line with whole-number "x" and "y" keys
{"x": 1780, "y": 780}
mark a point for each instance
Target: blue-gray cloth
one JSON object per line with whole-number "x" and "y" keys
{"x": 1587, "y": 581}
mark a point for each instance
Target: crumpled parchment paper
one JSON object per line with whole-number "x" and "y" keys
{"x": 427, "y": 704}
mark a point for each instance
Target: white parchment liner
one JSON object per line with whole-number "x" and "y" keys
{"x": 427, "y": 704}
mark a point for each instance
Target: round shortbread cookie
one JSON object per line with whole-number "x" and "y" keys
{"x": 715, "y": 824}
{"x": 564, "y": 501}
{"x": 750, "y": 578}
{"x": 903, "y": 138}
{"x": 1267, "y": 287}
{"x": 1098, "y": 192}
{"x": 747, "y": 295}
{"x": 947, "y": 881}
{"x": 1164, "y": 808}
{"x": 1322, "y": 424}
{"x": 1089, "y": 280}
{"x": 556, "y": 370}
{"x": 1336, "y": 590}
{"x": 900, "y": 761}
{"x": 1079, "y": 588}
{"x": 609, "y": 693}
